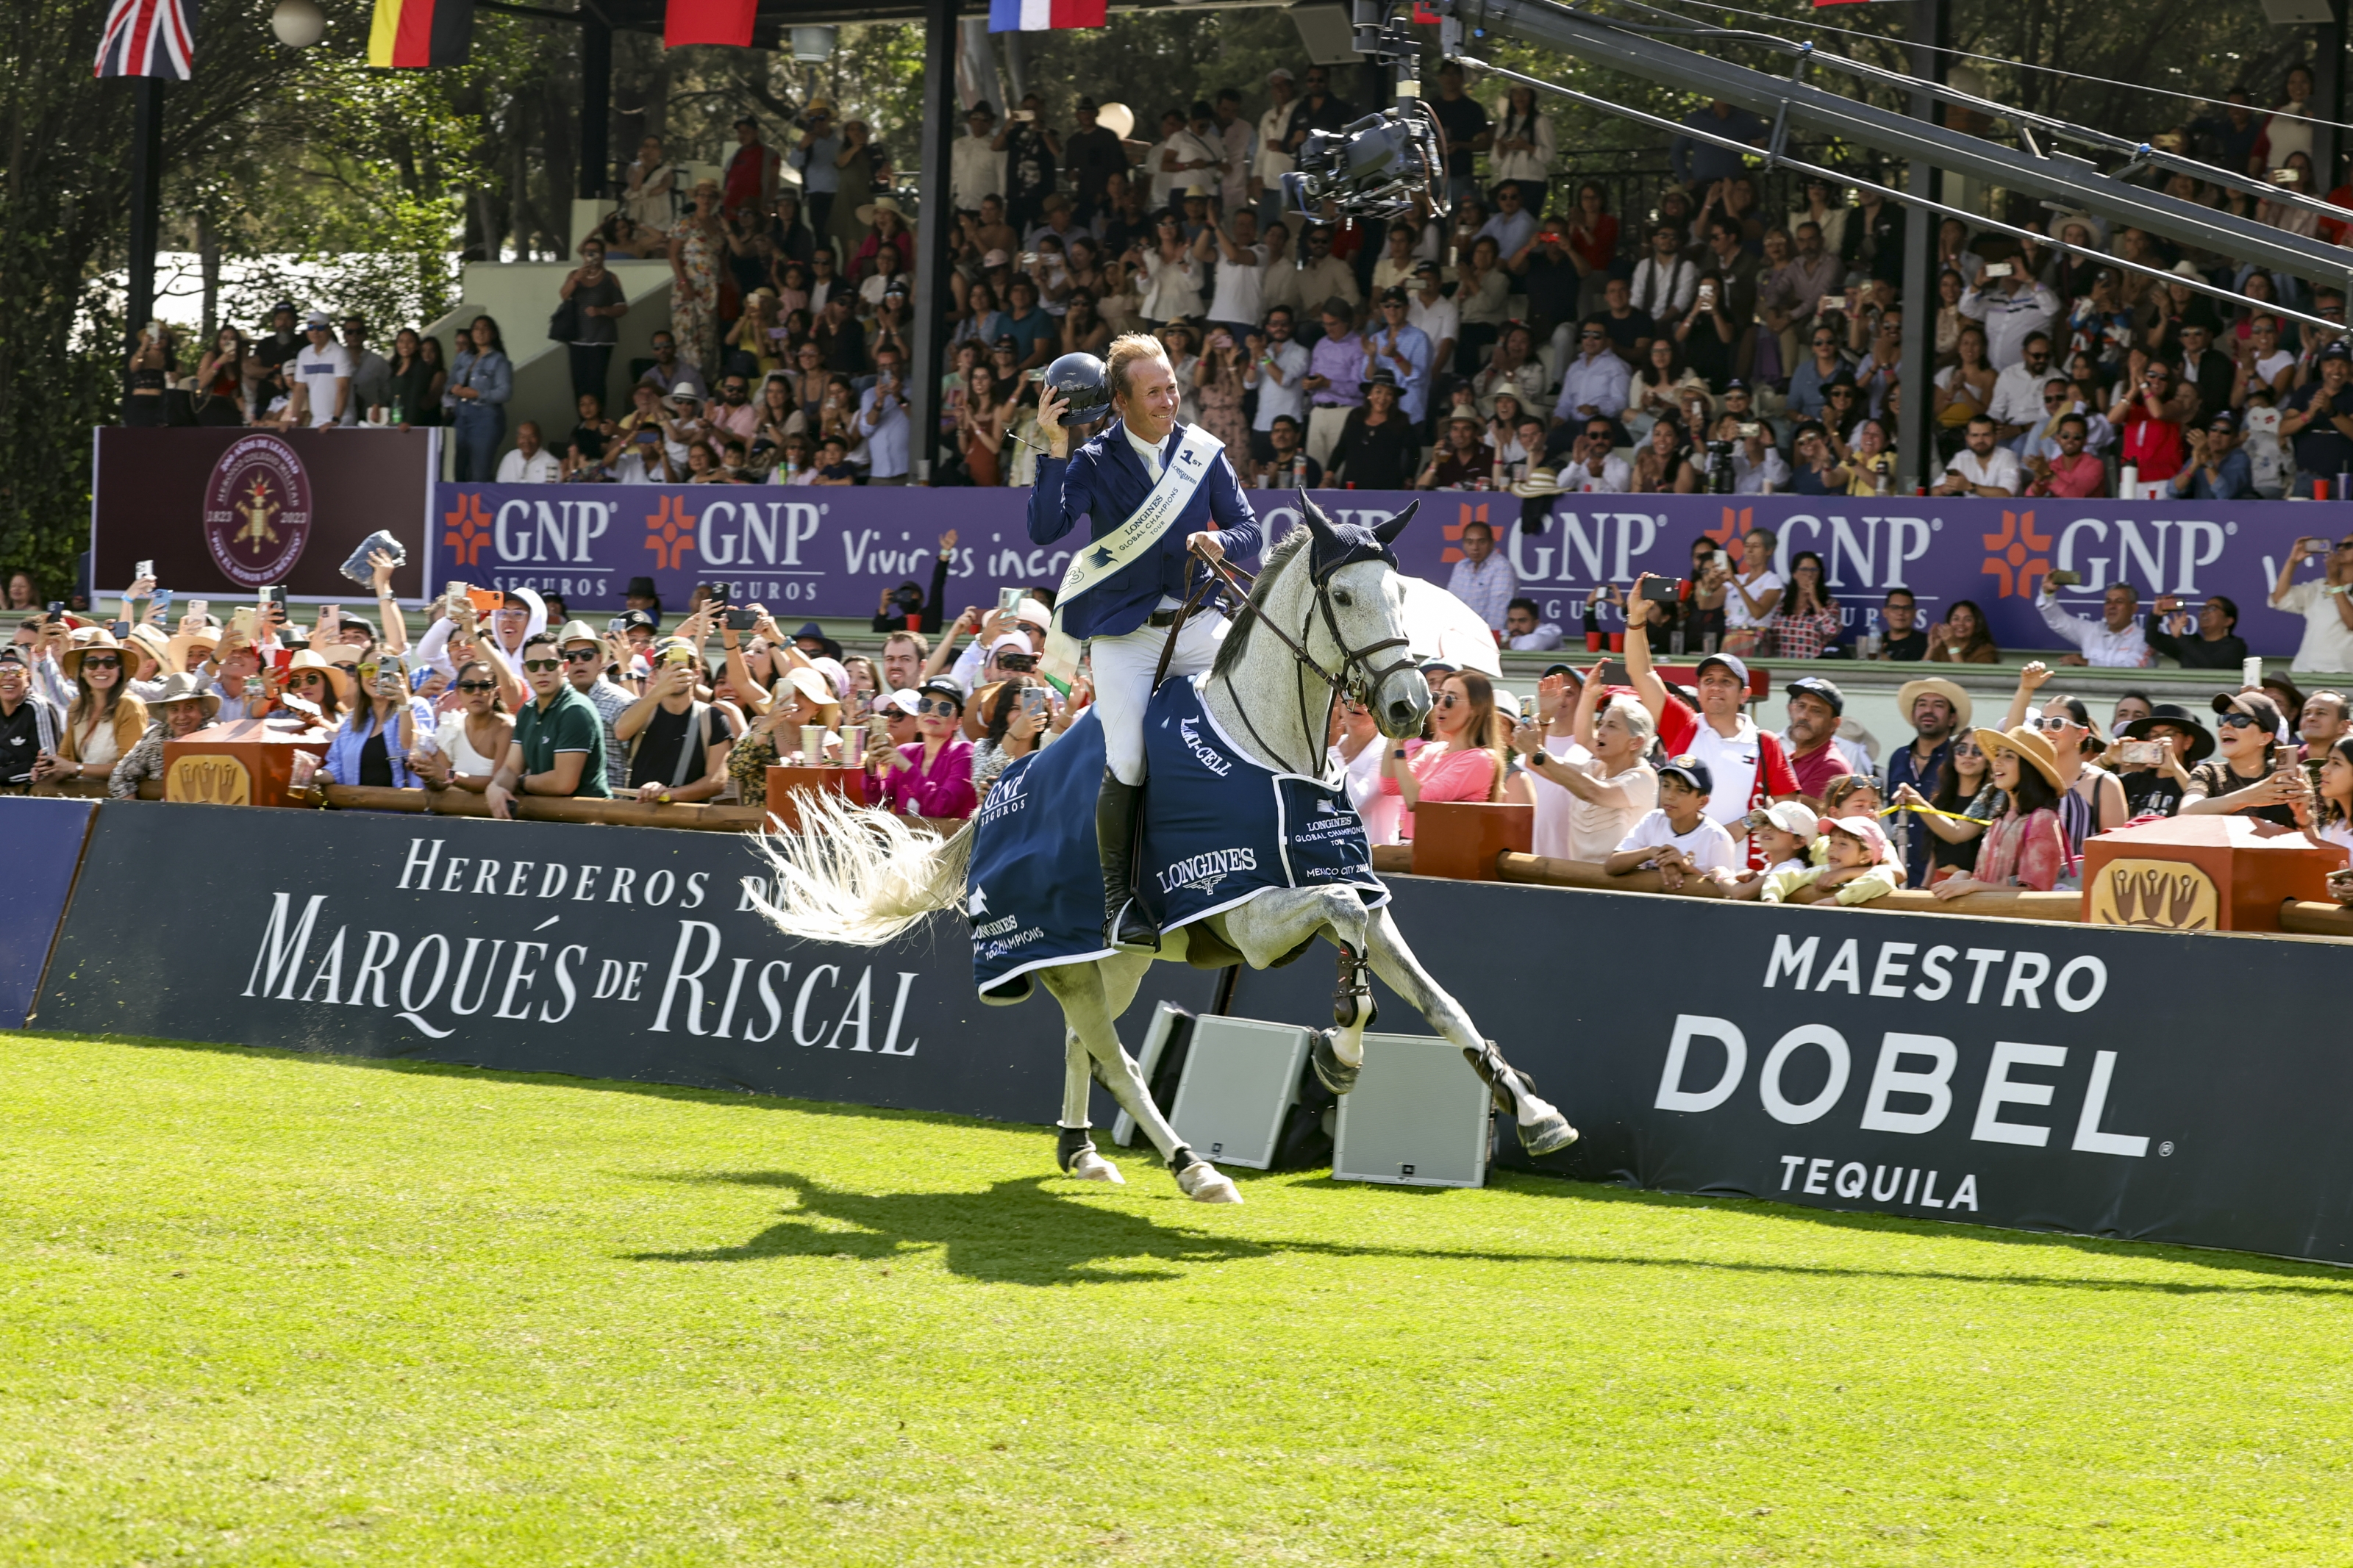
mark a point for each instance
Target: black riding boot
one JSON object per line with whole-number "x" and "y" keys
{"x": 1126, "y": 925}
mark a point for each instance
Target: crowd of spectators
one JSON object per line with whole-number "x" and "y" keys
{"x": 1534, "y": 340}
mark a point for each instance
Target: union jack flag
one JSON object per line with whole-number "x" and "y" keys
{"x": 148, "y": 38}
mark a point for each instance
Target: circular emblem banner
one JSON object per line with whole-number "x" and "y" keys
{"x": 257, "y": 512}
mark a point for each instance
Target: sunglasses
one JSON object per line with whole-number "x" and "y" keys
{"x": 539, "y": 664}
{"x": 309, "y": 678}
{"x": 939, "y": 705}
{"x": 477, "y": 686}
{"x": 2240, "y": 722}
{"x": 1451, "y": 699}
{"x": 1018, "y": 662}
{"x": 580, "y": 656}
{"x": 101, "y": 661}
{"x": 1968, "y": 748}
{"x": 2050, "y": 721}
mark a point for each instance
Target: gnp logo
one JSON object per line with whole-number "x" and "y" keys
{"x": 2016, "y": 556}
{"x": 1453, "y": 531}
{"x": 670, "y": 533}
{"x": 1733, "y": 533}
{"x": 469, "y": 530}
{"x": 257, "y": 512}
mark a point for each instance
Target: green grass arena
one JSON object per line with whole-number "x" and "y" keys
{"x": 262, "y": 1308}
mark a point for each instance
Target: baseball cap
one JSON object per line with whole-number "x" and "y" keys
{"x": 1692, "y": 771}
{"x": 904, "y": 702}
{"x": 1393, "y": 296}
{"x": 2337, "y": 351}
{"x": 995, "y": 258}
{"x": 1426, "y": 269}
{"x": 1568, "y": 669}
{"x": 2223, "y": 420}
{"x": 1874, "y": 837}
{"x": 1815, "y": 686}
{"x": 941, "y": 686}
{"x": 1030, "y": 612}
{"x": 1793, "y": 816}
{"x": 317, "y": 322}
{"x": 639, "y": 618}
{"x": 1011, "y": 642}
{"x": 9, "y": 654}
{"x": 1730, "y": 661}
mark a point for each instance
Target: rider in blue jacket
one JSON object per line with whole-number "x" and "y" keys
{"x": 1127, "y": 616}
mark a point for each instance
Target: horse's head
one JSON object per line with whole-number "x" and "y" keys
{"x": 1357, "y": 573}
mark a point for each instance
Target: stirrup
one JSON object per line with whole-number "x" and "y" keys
{"x": 1130, "y": 931}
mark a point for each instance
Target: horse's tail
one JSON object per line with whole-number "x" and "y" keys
{"x": 856, "y": 876}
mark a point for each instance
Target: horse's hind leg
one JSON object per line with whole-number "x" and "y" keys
{"x": 1543, "y": 1129}
{"x": 1085, "y": 994}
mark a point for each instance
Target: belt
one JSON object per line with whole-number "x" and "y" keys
{"x": 1161, "y": 618}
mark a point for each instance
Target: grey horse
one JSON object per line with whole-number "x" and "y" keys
{"x": 1328, "y": 602}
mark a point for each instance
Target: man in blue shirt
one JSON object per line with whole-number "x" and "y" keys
{"x": 1034, "y": 332}
{"x": 820, "y": 176}
{"x": 2216, "y": 469}
{"x": 1126, "y": 615}
{"x": 1397, "y": 343}
{"x": 1702, "y": 163}
{"x": 1938, "y": 711}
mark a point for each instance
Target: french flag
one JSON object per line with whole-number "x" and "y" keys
{"x": 1043, "y": 15}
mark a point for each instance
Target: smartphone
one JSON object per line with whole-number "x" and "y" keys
{"x": 200, "y": 608}
{"x": 1033, "y": 700}
{"x": 2064, "y": 578}
{"x": 280, "y": 658}
{"x": 240, "y": 622}
{"x": 144, "y": 569}
{"x": 275, "y": 595}
{"x": 162, "y": 601}
{"x": 1664, "y": 590}
{"x": 2284, "y": 758}
{"x": 618, "y": 626}
{"x": 1527, "y": 709}
{"x": 2315, "y": 547}
{"x": 120, "y": 629}
{"x": 2000, "y": 269}
{"x": 1609, "y": 672}
{"x": 486, "y": 600}
{"x": 2284, "y": 176}
{"x": 1707, "y": 293}
{"x": 1830, "y": 302}
{"x": 743, "y": 620}
{"x": 1008, "y": 600}
{"x": 2166, "y": 605}
{"x": 1750, "y": 432}
{"x": 2141, "y": 753}
{"x": 677, "y": 656}
{"x": 2251, "y": 671}
{"x": 714, "y": 593}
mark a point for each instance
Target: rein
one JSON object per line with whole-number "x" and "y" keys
{"x": 1355, "y": 677}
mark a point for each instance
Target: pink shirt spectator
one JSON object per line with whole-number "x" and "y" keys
{"x": 945, "y": 790}
{"x": 2080, "y": 478}
{"x": 2032, "y": 848}
{"x": 1444, "y": 775}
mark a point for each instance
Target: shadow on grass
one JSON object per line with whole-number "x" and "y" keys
{"x": 1186, "y": 1246}
{"x": 1017, "y": 1232}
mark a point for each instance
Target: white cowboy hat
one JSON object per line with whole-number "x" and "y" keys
{"x": 1538, "y": 482}
{"x": 882, "y": 204}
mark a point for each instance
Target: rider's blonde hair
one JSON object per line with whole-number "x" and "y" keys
{"x": 1125, "y": 351}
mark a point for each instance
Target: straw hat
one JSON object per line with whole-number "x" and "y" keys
{"x": 1911, "y": 691}
{"x": 2029, "y": 744}
{"x": 337, "y": 675}
{"x": 94, "y": 640}
{"x": 186, "y": 643}
{"x": 151, "y": 641}
{"x": 180, "y": 688}
{"x": 1538, "y": 482}
{"x": 882, "y": 204}
{"x": 811, "y": 684}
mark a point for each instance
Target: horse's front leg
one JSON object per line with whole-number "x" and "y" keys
{"x": 1273, "y": 923}
{"x": 1074, "y": 1149}
{"x": 1543, "y": 1129}
{"x": 1082, "y": 991}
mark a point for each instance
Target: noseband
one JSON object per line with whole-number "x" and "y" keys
{"x": 1355, "y": 678}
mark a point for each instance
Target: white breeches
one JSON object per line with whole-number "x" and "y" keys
{"x": 1122, "y": 675}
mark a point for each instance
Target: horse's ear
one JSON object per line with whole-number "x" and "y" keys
{"x": 1386, "y": 532}
{"x": 1318, "y": 525}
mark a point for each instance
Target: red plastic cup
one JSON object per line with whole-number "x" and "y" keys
{"x": 1593, "y": 642}
{"x": 1616, "y": 642}
{"x": 2320, "y": 489}
{"x": 915, "y": 623}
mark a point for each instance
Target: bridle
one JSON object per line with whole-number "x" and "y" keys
{"x": 1356, "y": 677}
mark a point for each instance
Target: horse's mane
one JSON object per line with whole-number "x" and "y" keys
{"x": 1229, "y": 652}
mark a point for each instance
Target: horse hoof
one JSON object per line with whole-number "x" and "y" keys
{"x": 1330, "y": 1070}
{"x": 1548, "y": 1133}
{"x": 1091, "y": 1166}
{"x": 1204, "y": 1184}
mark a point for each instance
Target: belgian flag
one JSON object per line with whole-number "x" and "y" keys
{"x": 415, "y": 33}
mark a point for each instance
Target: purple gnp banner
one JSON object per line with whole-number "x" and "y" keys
{"x": 833, "y": 550}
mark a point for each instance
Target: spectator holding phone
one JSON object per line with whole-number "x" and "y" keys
{"x": 373, "y": 745}
{"x": 2024, "y": 846}
{"x": 1019, "y": 715}
{"x": 677, "y": 744}
{"x": 2247, "y": 776}
{"x": 29, "y": 723}
{"x": 1593, "y": 785}
{"x": 2326, "y": 603}
{"x": 2217, "y": 646}
{"x": 932, "y": 775}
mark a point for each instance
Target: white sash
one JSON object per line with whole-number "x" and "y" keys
{"x": 1103, "y": 557}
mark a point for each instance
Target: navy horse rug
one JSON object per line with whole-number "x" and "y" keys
{"x": 1218, "y": 830}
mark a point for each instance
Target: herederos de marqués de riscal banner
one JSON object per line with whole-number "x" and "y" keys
{"x": 623, "y": 952}
{"x": 834, "y": 551}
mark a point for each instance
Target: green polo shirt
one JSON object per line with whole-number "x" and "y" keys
{"x": 568, "y": 724}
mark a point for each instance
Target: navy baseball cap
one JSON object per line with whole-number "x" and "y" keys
{"x": 1692, "y": 771}
{"x": 1815, "y": 686}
